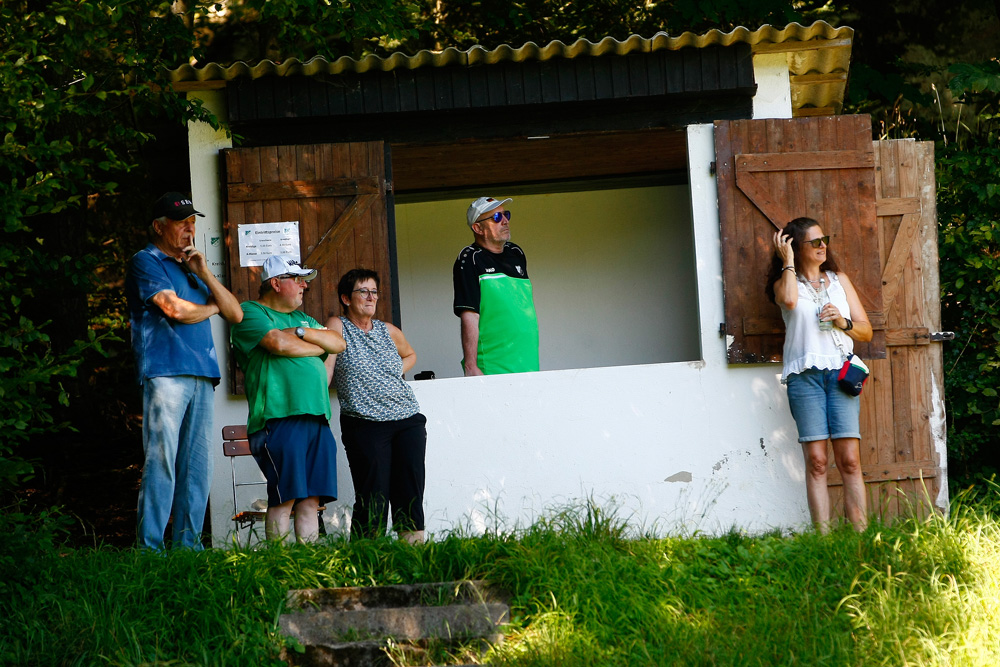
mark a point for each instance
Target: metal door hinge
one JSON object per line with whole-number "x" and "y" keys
{"x": 941, "y": 336}
{"x": 722, "y": 329}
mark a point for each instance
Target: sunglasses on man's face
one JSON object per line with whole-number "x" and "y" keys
{"x": 497, "y": 217}
{"x": 817, "y": 242}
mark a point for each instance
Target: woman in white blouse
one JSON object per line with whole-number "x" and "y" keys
{"x": 823, "y": 317}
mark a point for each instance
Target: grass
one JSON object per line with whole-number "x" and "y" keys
{"x": 586, "y": 591}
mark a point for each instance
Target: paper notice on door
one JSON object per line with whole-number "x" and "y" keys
{"x": 259, "y": 241}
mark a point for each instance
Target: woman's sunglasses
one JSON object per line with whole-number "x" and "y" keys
{"x": 822, "y": 240}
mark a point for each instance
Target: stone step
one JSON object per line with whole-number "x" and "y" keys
{"x": 454, "y": 621}
{"x": 362, "y": 626}
{"x": 370, "y": 653}
{"x": 382, "y": 597}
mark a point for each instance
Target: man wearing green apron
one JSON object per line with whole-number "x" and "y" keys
{"x": 493, "y": 296}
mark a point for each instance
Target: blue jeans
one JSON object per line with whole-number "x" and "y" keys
{"x": 176, "y": 437}
{"x": 820, "y": 407}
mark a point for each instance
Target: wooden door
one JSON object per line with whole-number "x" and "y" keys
{"x": 338, "y": 195}
{"x": 877, "y": 201}
{"x": 902, "y": 413}
{"x": 770, "y": 172}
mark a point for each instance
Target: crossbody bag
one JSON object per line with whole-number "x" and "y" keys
{"x": 854, "y": 373}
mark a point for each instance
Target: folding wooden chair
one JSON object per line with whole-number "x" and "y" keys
{"x": 235, "y": 443}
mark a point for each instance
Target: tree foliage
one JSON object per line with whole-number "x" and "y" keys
{"x": 975, "y": 78}
{"x": 969, "y": 246}
{"x": 73, "y": 76}
{"x": 463, "y": 23}
{"x": 278, "y": 29}
{"x": 254, "y": 30}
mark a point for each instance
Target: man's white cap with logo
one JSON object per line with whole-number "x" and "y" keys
{"x": 483, "y": 205}
{"x": 279, "y": 265}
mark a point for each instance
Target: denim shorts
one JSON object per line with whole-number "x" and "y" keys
{"x": 820, "y": 408}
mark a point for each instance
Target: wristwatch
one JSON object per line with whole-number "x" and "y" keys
{"x": 300, "y": 332}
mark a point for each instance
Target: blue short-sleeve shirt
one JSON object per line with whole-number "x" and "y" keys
{"x": 162, "y": 346}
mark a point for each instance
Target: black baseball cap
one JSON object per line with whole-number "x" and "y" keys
{"x": 175, "y": 206}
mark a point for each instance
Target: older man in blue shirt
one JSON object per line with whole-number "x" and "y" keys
{"x": 171, "y": 296}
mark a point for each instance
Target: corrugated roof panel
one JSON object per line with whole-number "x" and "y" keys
{"x": 815, "y": 49}
{"x": 820, "y": 61}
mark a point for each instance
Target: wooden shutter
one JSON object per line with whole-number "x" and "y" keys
{"x": 338, "y": 195}
{"x": 902, "y": 409}
{"x": 770, "y": 172}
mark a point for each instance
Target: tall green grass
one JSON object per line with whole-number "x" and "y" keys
{"x": 585, "y": 591}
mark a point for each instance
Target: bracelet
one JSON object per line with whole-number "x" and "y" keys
{"x": 788, "y": 268}
{"x": 850, "y": 325}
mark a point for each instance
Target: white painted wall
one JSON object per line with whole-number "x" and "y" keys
{"x": 774, "y": 91}
{"x": 612, "y": 272}
{"x": 681, "y": 446}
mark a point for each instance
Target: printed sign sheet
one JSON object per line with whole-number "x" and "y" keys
{"x": 259, "y": 241}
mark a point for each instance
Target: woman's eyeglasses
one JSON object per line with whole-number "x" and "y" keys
{"x": 366, "y": 293}
{"x": 497, "y": 217}
{"x": 822, "y": 240}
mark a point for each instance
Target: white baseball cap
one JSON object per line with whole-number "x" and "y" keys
{"x": 483, "y": 205}
{"x": 279, "y": 265}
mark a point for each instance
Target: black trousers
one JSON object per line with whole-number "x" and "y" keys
{"x": 387, "y": 468}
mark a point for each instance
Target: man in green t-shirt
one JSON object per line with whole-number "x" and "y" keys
{"x": 281, "y": 351}
{"x": 493, "y": 296}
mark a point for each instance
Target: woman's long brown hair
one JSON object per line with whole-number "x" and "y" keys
{"x": 797, "y": 229}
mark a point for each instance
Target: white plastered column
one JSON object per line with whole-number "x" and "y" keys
{"x": 774, "y": 90}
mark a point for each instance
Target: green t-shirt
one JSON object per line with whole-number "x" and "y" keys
{"x": 277, "y": 386}
{"x": 508, "y": 326}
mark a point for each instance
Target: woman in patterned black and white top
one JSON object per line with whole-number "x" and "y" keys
{"x": 382, "y": 429}
{"x": 823, "y": 317}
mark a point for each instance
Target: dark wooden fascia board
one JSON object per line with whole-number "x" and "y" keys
{"x": 508, "y": 85}
{"x": 670, "y": 112}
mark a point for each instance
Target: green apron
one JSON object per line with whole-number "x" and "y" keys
{"x": 508, "y": 326}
